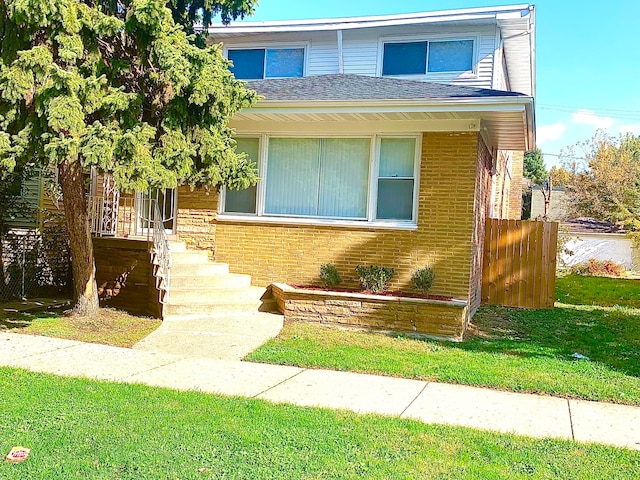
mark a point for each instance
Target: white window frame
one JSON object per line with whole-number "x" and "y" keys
{"x": 466, "y": 74}
{"x": 272, "y": 46}
{"x": 374, "y": 163}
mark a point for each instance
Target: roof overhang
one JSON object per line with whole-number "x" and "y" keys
{"x": 506, "y": 123}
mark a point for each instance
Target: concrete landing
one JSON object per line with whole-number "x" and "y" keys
{"x": 221, "y": 337}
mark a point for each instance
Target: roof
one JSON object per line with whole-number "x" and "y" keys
{"x": 591, "y": 225}
{"x": 466, "y": 15}
{"x": 360, "y": 87}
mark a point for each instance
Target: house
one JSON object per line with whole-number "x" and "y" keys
{"x": 382, "y": 140}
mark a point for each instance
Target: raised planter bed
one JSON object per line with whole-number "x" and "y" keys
{"x": 420, "y": 316}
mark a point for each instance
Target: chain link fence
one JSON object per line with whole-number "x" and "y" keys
{"x": 34, "y": 264}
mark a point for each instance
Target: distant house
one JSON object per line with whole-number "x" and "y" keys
{"x": 557, "y": 209}
{"x": 379, "y": 140}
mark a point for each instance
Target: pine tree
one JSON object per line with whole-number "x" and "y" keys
{"x": 121, "y": 87}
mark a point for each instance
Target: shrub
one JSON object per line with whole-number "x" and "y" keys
{"x": 597, "y": 267}
{"x": 374, "y": 277}
{"x": 329, "y": 275}
{"x": 422, "y": 279}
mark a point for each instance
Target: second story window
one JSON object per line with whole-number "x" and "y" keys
{"x": 259, "y": 63}
{"x": 424, "y": 57}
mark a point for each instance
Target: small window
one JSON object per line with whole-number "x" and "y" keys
{"x": 396, "y": 179}
{"x": 259, "y": 63}
{"x": 244, "y": 201}
{"x": 420, "y": 58}
{"x": 456, "y": 56}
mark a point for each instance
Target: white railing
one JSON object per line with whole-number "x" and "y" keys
{"x": 161, "y": 254}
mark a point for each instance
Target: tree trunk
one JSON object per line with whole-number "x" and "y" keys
{"x": 85, "y": 290}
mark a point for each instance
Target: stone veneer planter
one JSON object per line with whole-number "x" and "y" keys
{"x": 434, "y": 318}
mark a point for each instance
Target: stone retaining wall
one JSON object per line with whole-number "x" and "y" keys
{"x": 434, "y": 318}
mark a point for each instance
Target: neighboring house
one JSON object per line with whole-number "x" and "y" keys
{"x": 590, "y": 238}
{"x": 557, "y": 209}
{"x": 379, "y": 140}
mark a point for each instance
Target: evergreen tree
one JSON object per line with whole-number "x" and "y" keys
{"x": 121, "y": 87}
{"x": 534, "y": 168}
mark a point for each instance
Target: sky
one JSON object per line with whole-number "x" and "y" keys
{"x": 587, "y": 59}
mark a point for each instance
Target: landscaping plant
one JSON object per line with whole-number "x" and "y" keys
{"x": 330, "y": 275}
{"x": 422, "y": 279}
{"x": 374, "y": 278}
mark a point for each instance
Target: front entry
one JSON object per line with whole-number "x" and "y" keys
{"x": 166, "y": 200}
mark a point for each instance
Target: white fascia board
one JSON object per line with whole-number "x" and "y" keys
{"x": 495, "y": 104}
{"x": 492, "y": 13}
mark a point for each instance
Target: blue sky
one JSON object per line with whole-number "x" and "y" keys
{"x": 588, "y": 66}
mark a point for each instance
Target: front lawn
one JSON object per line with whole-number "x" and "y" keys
{"x": 109, "y": 326}
{"x": 510, "y": 349}
{"x": 87, "y": 429}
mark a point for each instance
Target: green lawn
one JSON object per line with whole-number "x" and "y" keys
{"x": 86, "y": 429}
{"x": 108, "y": 326}
{"x": 510, "y": 349}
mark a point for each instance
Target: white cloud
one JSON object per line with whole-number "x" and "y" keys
{"x": 547, "y": 133}
{"x": 587, "y": 117}
{"x": 632, "y": 128}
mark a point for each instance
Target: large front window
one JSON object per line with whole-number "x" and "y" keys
{"x": 362, "y": 179}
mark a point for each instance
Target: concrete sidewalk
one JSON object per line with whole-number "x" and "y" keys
{"x": 531, "y": 415}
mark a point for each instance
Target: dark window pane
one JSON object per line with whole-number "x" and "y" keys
{"x": 285, "y": 62}
{"x": 455, "y": 56}
{"x": 395, "y": 199}
{"x": 247, "y": 64}
{"x": 241, "y": 201}
{"x": 404, "y": 58}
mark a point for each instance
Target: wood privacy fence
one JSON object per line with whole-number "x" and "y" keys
{"x": 519, "y": 268}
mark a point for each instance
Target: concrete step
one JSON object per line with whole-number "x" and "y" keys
{"x": 206, "y": 282}
{"x": 217, "y": 295}
{"x": 176, "y": 246}
{"x": 189, "y": 257}
{"x": 229, "y": 308}
{"x": 196, "y": 270}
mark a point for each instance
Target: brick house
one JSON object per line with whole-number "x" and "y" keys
{"x": 379, "y": 140}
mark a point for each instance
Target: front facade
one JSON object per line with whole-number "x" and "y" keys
{"x": 379, "y": 140}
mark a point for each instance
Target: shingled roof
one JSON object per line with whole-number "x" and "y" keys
{"x": 359, "y": 87}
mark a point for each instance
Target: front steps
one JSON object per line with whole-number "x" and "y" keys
{"x": 199, "y": 287}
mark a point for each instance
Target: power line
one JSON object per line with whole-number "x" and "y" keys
{"x": 620, "y": 114}
{"x": 570, "y": 157}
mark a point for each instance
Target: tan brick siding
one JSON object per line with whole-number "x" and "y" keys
{"x": 196, "y": 216}
{"x": 515, "y": 198}
{"x": 293, "y": 254}
{"x": 481, "y": 212}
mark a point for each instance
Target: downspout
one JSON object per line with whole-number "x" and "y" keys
{"x": 340, "y": 59}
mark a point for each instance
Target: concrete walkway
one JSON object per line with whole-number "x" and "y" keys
{"x": 532, "y": 415}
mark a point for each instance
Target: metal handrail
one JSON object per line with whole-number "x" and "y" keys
{"x": 162, "y": 252}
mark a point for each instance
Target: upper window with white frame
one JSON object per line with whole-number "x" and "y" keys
{"x": 368, "y": 179}
{"x": 259, "y": 63}
{"x": 427, "y": 57}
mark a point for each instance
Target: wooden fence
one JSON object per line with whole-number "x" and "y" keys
{"x": 519, "y": 268}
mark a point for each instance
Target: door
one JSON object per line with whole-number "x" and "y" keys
{"x": 165, "y": 199}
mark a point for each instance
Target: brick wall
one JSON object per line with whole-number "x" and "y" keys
{"x": 293, "y": 253}
{"x": 515, "y": 197}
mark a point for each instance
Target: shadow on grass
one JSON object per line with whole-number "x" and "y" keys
{"x": 17, "y": 315}
{"x": 610, "y": 336}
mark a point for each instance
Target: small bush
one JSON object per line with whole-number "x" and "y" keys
{"x": 422, "y": 279}
{"x": 329, "y": 275}
{"x": 374, "y": 277}
{"x": 597, "y": 267}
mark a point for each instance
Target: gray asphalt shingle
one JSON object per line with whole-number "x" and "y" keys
{"x": 359, "y": 87}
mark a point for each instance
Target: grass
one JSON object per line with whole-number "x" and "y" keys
{"x": 508, "y": 349}
{"x": 87, "y": 429}
{"x": 109, "y": 326}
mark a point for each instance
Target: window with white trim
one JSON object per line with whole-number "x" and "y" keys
{"x": 427, "y": 56}
{"x": 259, "y": 63}
{"x": 368, "y": 179}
